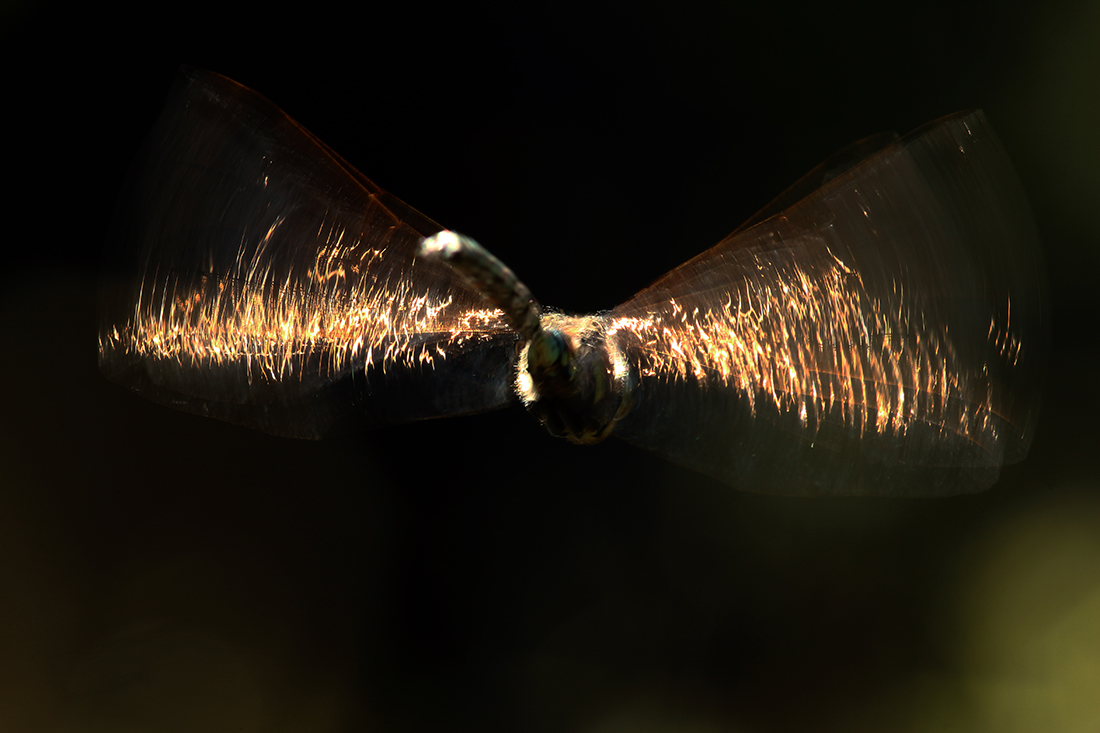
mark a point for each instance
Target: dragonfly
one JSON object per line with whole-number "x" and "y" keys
{"x": 878, "y": 329}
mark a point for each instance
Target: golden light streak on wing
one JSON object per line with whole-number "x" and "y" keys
{"x": 261, "y": 279}
{"x": 884, "y": 335}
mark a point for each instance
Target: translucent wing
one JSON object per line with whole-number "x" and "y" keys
{"x": 883, "y": 335}
{"x": 835, "y": 165}
{"x": 260, "y": 279}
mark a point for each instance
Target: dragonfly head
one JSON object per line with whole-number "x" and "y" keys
{"x": 573, "y": 380}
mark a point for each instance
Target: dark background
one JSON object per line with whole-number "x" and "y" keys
{"x": 161, "y": 572}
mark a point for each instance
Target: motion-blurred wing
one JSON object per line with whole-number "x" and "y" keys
{"x": 261, "y": 279}
{"x": 883, "y": 335}
{"x": 835, "y": 165}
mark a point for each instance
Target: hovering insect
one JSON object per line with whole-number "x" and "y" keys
{"x": 877, "y": 329}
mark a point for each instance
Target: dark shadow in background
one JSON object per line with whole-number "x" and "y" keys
{"x": 163, "y": 572}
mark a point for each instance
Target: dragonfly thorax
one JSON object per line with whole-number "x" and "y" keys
{"x": 573, "y": 379}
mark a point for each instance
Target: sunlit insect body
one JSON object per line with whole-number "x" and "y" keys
{"x": 875, "y": 330}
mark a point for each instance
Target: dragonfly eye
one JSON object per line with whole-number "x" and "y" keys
{"x": 549, "y": 360}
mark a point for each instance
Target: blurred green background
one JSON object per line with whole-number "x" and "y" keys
{"x": 161, "y": 572}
